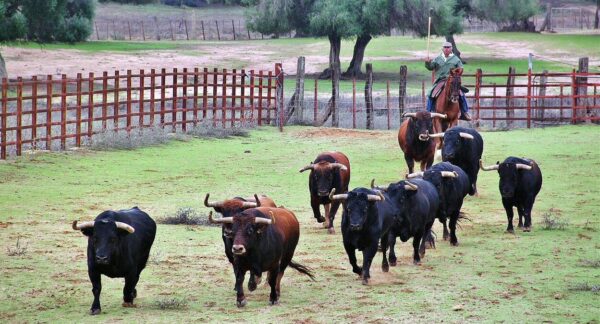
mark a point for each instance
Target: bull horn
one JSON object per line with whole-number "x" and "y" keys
{"x": 212, "y": 204}
{"x": 521, "y": 166}
{"x": 442, "y": 116}
{"x": 407, "y": 114}
{"x": 125, "y": 227}
{"x": 310, "y": 166}
{"x": 257, "y": 200}
{"x": 260, "y": 220}
{"x": 489, "y": 168}
{"x": 334, "y": 197}
{"x": 449, "y": 174}
{"x": 410, "y": 186}
{"x": 414, "y": 175}
{"x": 466, "y": 135}
{"x": 436, "y": 135}
{"x": 340, "y": 166}
{"x": 378, "y": 197}
{"x": 272, "y": 216}
{"x": 373, "y": 186}
{"x": 81, "y": 226}
{"x": 220, "y": 220}
{"x": 249, "y": 204}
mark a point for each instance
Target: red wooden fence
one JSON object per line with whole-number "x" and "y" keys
{"x": 570, "y": 97}
{"x": 39, "y": 113}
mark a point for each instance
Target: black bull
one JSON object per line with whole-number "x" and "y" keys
{"x": 520, "y": 182}
{"x": 119, "y": 244}
{"x": 452, "y": 185}
{"x": 463, "y": 147}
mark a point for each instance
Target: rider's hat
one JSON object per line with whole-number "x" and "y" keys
{"x": 446, "y": 44}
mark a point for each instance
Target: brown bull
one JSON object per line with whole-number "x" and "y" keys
{"x": 231, "y": 207}
{"x": 264, "y": 239}
{"x": 414, "y": 139}
{"x": 330, "y": 170}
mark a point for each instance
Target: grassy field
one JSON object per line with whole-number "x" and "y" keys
{"x": 545, "y": 275}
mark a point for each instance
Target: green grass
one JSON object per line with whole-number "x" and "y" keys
{"x": 496, "y": 277}
{"x": 578, "y": 45}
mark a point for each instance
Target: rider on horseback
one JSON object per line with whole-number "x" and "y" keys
{"x": 442, "y": 65}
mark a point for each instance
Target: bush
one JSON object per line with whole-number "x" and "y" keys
{"x": 186, "y": 216}
{"x": 75, "y": 29}
{"x": 171, "y": 303}
{"x": 14, "y": 27}
{"x": 553, "y": 222}
{"x": 109, "y": 139}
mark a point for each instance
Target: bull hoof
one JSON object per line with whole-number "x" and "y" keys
{"x": 417, "y": 263}
{"x": 429, "y": 245}
{"x": 326, "y": 224}
{"x": 393, "y": 263}
{"x": 455, "y": 243}
{"x": 331, "y": 230}
{"x": 274, "y": 302}
{"x": 422, "y": 254}
{"x": 520, "y": 225}
{"x": 357, "y": 270}
{"x": 129, "y": 304}
{"x": 385, "y": 268}
{"x": 446, "y": 236}
{"x": 527, "y": 229}
{"x": 510, "y": 231}
{"x": 365, "y": 281}
{"x": 95, "y": 311}
{"x": 321, "y": 219}
{"x": 241, "y": 303}
{"x": 134, "y": 293}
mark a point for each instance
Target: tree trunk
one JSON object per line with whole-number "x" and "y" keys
{"x": 354, "y": 70}
{"x": 335, "y": 44}
{"x": 3, "y": 73}
{"x": 450, "y": 38}
{"x": 597, "y": 17}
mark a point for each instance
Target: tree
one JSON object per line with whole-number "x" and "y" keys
{"x": 374, "y": 21}
{"x": 58, "y": 20}
{"x": 337, "y": 20}
{"x": 446, "y": 20}
{"x": 515, "y": 13}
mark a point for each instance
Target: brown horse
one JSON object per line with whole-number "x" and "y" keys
{"x": 448, "y": 102}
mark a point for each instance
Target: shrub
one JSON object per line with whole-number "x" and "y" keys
{"x": 186, "y": 216}
{"x": 585, "y": 287}
{"x": 75, "y": 29}
{"x": 553, "y": 222}
{"x": 171, "y": 303}
{"x": 18, "y": 249}
{"x": 109, "y": 139}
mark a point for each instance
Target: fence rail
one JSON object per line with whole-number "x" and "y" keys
{"x": 56, "y": 113}
{"x": 496, "y": 100}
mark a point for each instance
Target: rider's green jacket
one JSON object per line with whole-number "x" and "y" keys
{"x": 442, "y": 66}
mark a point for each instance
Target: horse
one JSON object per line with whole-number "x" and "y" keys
{"x": 448, "y": 103}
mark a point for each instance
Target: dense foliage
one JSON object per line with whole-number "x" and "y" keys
{"x": 46, "y": 20}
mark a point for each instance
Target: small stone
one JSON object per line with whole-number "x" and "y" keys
{"x": 558, "y": 296}
{"x": 458, "y": 307}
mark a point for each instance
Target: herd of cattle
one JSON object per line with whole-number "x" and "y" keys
{"x": 259, "y": 236}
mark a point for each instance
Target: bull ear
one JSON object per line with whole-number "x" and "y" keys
{"x": 86, "y": 228}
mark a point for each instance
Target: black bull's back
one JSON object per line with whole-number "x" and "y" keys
{"x": 464, "y": 152}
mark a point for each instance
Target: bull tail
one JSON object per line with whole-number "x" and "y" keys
{"x": 462, "y": 216}
{"x": 302, "y": 269}
{"x": 430, "y": 238}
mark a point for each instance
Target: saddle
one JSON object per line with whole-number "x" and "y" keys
{"x": 435, "y": 92}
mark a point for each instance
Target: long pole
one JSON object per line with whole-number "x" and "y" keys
{"x": 428, "y": 32}
{"x": 428, "y": 39}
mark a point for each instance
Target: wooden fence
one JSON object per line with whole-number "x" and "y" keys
{"x": 510, "y": 100}
{"x": 37, "y": 113}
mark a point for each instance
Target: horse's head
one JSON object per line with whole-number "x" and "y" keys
{"x": 454, "y": 83}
